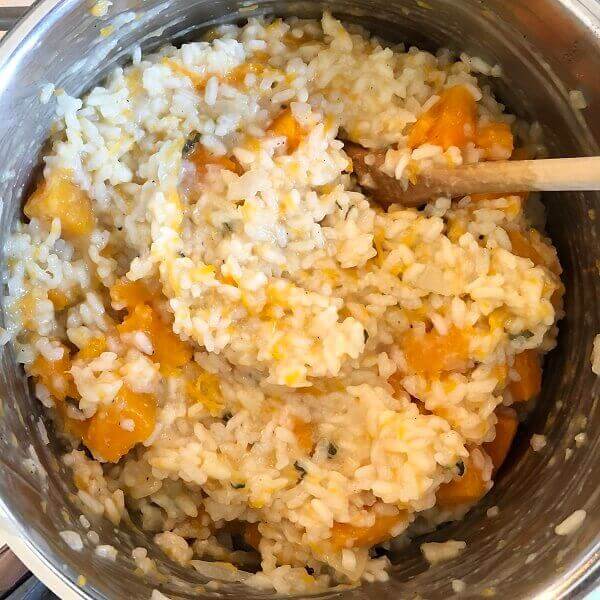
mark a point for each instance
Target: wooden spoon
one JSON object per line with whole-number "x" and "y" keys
{"x": 501, "y": 176}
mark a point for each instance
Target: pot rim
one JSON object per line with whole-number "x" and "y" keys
{"x": 582, "y": 579}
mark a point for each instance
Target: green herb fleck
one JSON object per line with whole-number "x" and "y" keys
{"x": 331, "y": 450}
{"x": 190, "y": 143}
{"x": 523, "y": 334}
{"x": 238, "y": 486}
{"x": 460, "y": 467}
{"x": 301, "y": 470}
{"x": 226, "y": 416}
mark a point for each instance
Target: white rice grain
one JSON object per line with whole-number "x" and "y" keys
{"x": 46, "y": 93}
{"x": 43, "y": 432}
{"x": 596, "y": 355}
{"x": 577, "y": 99}
{"x": 571, "y": 524}
{"x": 437, "y": 552}
{"x": 72, "y": 539}
{"x": 106, "y": 551}
{"x": 537, "y": 442}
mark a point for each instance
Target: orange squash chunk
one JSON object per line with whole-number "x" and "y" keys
{"x": 495, "y": 196}
{"x": 94, "y": 347}
{"x": 139, "y": 319}
{"x": 522, "y": 246}
{"x": 506, "y": 428}
{"x": 206, "y": 390}
{"x": 432, "y": 353}
{"x": 107, "y": 439}
{"x": 485, "y": 196}
{"x": 395, "y": 380}
{"x": 201, "y": 157}
{"x": 27, "y": 308}
{"x": 55, "y": 376}
{"x": 468, "y": 488}
{"x": 130, "y": 293}
{"x": 63, "y": 299}
{"x": 451, "y": 121}
{"x": 198, "y": 80}
{"x": 285, "y": 125}
{"x": 346, "y": 535}
{"x": 59, "y": 197}
{"x": 237, "y": 76}
{"x": 496, "y": 140}
{"x": 304, "y": 435}
{"x": 527, "y": 365}
{"x": 169, "y": 350}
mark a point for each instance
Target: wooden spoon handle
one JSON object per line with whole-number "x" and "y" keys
{"x": 502, "y": 177}
{"x": 555, "y": 174}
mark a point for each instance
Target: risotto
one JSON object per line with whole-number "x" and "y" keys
{"x": 242, "y": 351}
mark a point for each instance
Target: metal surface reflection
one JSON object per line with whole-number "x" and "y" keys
{"x": 546, "y": 47}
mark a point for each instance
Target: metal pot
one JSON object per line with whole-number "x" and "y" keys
{"x": 546, "y": 47}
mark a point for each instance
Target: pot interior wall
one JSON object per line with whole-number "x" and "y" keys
{"x": 535, "y": 491}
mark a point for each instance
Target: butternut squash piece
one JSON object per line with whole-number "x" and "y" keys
{"x": 198, "y": 80}
{"x": 451, "y": 121}
{"x": 128, "y": 294}
{"x": 346, "y": 535}
{"x": 395, "y": 380}
{"x": 496, "y": 140}
{"x": 169, "y": 350}
{"x": 304, "y": 435}
{"x": 506, "y": 428}
{"x": 28, "y": 308}
{"x": 432, "y": 353}
{"x": 107, "y": 439}
{"x": 522, "y": 246}
{"x": 55, "y": 376}
{"x": 495, "y": 196}
{"x": 237, "y": 76}
{"x": 285, "y": 125}
{"x": 94, "y": 348}
{"x": 58, "y": 197}
{"x": 527, "y": 365}
{"x": 139, "y": 319}
{"x": 206, "y": 390}
{"x": 201, "y": 158}
{"x": 468, "y": 488}
{"x": 63, "y": 299}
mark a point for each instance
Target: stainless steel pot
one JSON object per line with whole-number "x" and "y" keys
{"x": 546, "y": 48}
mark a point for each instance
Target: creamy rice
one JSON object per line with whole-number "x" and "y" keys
{"x": 247, "y": 345}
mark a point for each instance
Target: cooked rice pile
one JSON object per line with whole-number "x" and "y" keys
{"x": 247, "y": 345}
